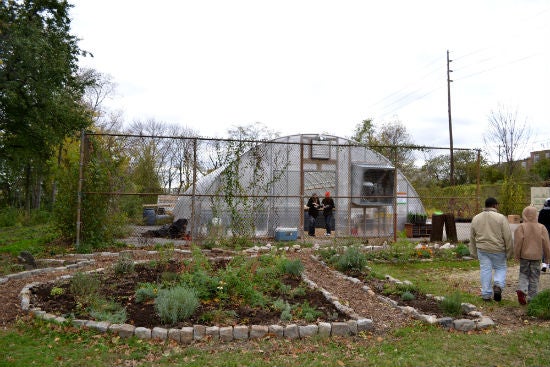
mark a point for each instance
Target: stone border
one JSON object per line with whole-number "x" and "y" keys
{"x": 187, "y": 335}
{"x": 479, "y": 323}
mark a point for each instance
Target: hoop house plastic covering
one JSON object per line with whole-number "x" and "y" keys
{"x": 267, "y": 187}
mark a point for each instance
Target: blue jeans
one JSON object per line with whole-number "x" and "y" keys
{"x": 311, "y": 228}
{"x": 328, "y": 222}
{"x": 487, "y": 263}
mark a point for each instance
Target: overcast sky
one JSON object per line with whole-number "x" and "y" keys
{"x": 320, "y": 66}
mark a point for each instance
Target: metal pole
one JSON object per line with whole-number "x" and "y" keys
{"x": 301, "y": 203}
{"x": 478, "y": 189}
{"x": 193, "y": 190}
{"x": 79, "y": 193}
{"x": 394, "y": 196}
{"x": 452, "y": 167}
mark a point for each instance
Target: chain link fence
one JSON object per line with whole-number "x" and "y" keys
{"x": 224, "y": 188}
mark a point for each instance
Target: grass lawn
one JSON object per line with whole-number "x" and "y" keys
{"x": 39, "y": 343}
{"x": 30, "y": 342}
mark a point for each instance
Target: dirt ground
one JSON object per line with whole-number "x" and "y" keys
{"x": 384, "y": 316}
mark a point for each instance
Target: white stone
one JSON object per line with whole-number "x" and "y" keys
{"x": 226, "y": 333}
{"x": 307, "y": 331}
{"x": 325, "y": 329}
{"x": 186, "y": 336}
{"x": 258, "y": 331}
{"x": 213, "y": 332}
{"x": 199, "y": 332}
{"x": 159, "y": 333}
{"x": 142, "y": 333}
{"x": 240, "y": 332}
{"x": 291, "y": 331}
{"x": 276, "y": 330}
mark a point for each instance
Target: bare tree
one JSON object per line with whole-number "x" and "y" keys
{"x": 510, "y": 136}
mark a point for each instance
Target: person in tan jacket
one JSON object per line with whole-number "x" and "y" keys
{"x": 491, "y": 242}
{"x": 531, "y": 241}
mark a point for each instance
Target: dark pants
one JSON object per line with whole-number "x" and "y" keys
{"x": 311, "y": 229}
{"x": 328, "y": 222}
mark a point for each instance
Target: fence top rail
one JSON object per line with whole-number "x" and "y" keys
{"x": 275, "y": 141}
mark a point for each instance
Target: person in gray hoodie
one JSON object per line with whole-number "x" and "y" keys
{"x": 531, "y": 241}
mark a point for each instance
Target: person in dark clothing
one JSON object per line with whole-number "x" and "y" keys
{"x": 327, "y": 204}
{"x": 544, "y": 218}
{"x": 313, "y": 205}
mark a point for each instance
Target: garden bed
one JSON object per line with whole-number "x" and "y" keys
{"x": 220, "y": 309}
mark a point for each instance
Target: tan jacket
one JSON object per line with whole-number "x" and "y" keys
{"x": 490, "y": 232}
{"x": 531, "y": 238}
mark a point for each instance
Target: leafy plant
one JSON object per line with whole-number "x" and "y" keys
{"x": 351, "y": 260}
{"x": 307, "y": 312}
{"x": 57, "y": 291}
{"x": 84, "y": 286}
{"x": 176, "y": 304}
{"x": 146, "y": 291}
{"x": 407, "y": 296}
{"x": 106, "y": 310}
{"x": 124, "y": 264}
{"x": 452, "y": 305}
{"x": 539, "y": 306}
{"x": 292, "y": 267}
{"x": 462, "y": 250}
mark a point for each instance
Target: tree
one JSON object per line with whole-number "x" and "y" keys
{"x": 40, "y": 93}
{"x": 364, "y": 132}
{"x": 510, "y": 135}
{"x": 436, "y": 170}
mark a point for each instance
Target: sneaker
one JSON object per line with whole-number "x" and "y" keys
{"x": 487, "y": 299}
{"x": 327, "y": 234}
{"x": 497, "y": 293}
{"x": 544, "y": 267}
{"x": 521, "y": 297}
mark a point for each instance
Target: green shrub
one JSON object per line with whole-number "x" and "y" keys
{"x": 462, "y": 250}
{"x": 452, "y": 305}
{"x": 292, "y": 267}
{"x": 351, "y": 260}
{"x": 84, "y": 286}
{"x": 286, "y": 313}
{"x": 176, "y": 304}
{"x": 56, "y": 291}
{"x": 298, "y": 292}
{"x": 307, "y": 312}
{"x": 539, "y": 306}
{"x": 407, "y": 296}
{"x": 124, "y": 264}
{"x": 106, "y": 310}
{"x": 145, "y": 292}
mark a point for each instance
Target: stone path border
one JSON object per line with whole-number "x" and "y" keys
{"x": 186, "y": 335}
{"x": 479, "y": 323}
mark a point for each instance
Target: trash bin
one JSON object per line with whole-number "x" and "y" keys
{"x": 149, "y": 216}
{"x": 438, "y": 220}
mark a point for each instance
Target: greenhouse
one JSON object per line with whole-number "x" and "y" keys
{"x": 265, "y": 189}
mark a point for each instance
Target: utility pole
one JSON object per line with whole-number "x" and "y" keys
{"x": 452, "y": 166}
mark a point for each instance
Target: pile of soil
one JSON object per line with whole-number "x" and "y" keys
{"x": 122, "y": 288}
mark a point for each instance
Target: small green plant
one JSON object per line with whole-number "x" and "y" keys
{"x": 124, "y": 264}
{"x": 539, "y": 306}
{"x": 298, "y": 292}
{"x": 352, "y": 260}
{"x": 84, "y": 286}
{"x": 57, "y": 291}
{"x": 286, "y": 313}
{"x": 228, "y": 317}
{"x": 452, "y": 305}
{"x": 462, "y": 250}
{"x": 407, "y": 296}
{"x": 292, "y": 267}
{"x": 106, "y": 310}
{"x": 176, "y": 304}
{"x": 307, "y": 312}
{"x": 146, "y": 291}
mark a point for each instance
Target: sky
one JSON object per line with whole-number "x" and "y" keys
{"x": 317, "y": 66}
